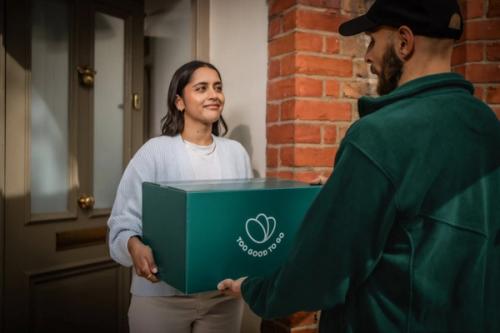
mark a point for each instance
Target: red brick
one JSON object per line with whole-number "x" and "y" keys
{"x": 493, "y": 51}
{"x": 310, "y": 157}
{"x": 493, "y": 95}
{"x": 497, "y": 111}
{"x": 280, "y": 174}
{"x": 274, "y": 27}
{"x": 280, "y": 89}
{"x": 482, "y": 73}
{"x": 278, "y": 134}
{"x": 313, "y": 65}
{"x": 288, "y": 64}
{"x": 316, "y": 110}
{"x": 307, "y": 133}
{"x": 314, "y": 20}
{"x": 482, "y": 30}
{"x": 287, "y": 156}
{"x": 479, "y": 92}
{"x": 274, "y": 69}
{"x": 273, "y": 112}
{"x": 458, "y": 55}
{"x": 284, "y": 44}
{"x": 308, "y": 42}
{"x": 472, "y": 8}
{"x": 293, "y": 133}
{"x": 300, "y": 86}
{"x": 459, "y": 69}
{"x": 278, "y": 6}
{"x": 332, "y": 45}
{"x": 289, "y": 20}
{"x": 467, "y": 53}
{"x": 332, "y": 88}
{"x": 297, "y": 41}
{"x": 331, "y": 4}
{"x": 494, "y": 8}
{"x": 330, "y": 134}
{"x": 272, "y": 157}
{"x": 306, "y": 87}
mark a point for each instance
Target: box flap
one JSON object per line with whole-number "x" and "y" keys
{"x": 233, "y": 185}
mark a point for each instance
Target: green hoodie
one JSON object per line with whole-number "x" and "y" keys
{"x": 405, "y": 235}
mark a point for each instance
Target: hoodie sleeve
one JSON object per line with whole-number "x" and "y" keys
{"x": 339, "y": 243}
{"x": 126, "y": 216}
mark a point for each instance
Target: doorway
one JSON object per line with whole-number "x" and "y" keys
{"x": 73, "y": 119}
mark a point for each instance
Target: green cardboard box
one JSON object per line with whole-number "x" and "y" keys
{"x": 204, "y": 231}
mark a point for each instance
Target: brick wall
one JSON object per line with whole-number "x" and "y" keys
{"x": 477, "y": 54}
{"x": 315, "y": 77}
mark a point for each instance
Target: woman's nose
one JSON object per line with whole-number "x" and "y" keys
{"x": 212, "y": 93}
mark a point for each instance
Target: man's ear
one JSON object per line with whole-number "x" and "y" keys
{"x": 405, "y": 42}
{"x": 179, "y": 103}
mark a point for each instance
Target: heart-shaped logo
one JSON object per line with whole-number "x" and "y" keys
{"x": 261, "y": 228}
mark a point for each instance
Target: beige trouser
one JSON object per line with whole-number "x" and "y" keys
{"x": 185, "y": 314}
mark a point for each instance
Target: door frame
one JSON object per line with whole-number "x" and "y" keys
{"x": 2, "y": 154}
{"x": 200, "y": 10}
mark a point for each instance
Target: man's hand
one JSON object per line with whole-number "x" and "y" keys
{"x": 142, "y": 256}
{"x": 231, "y": 287}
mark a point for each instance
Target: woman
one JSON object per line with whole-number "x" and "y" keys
{"x": 189, "y": 149}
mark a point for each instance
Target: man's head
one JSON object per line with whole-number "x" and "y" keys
{"x": 408, "y": 38}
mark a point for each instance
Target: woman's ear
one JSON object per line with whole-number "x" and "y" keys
{"x": 405, "y": 42}
{"x": 179, "y": 103}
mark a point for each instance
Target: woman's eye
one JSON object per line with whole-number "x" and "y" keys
{"x": 218, "y": 88}
{"x": 202, "y": 88}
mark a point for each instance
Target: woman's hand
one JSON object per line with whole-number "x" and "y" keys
{"x": 320, "y": 180}
{"x": 142, "y": 256}
{"x": 231, "y": 287}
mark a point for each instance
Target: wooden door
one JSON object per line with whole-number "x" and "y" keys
{"x": 73, "y": 120}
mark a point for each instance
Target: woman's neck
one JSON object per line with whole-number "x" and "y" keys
{"x": 200, "y": 135}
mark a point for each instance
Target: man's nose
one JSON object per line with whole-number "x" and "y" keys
{"x": 368, "y": 58}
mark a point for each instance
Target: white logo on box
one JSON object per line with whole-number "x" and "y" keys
{"x": 260, "y": 230}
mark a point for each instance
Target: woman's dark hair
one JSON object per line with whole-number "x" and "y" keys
{"x": 173, "y": 122}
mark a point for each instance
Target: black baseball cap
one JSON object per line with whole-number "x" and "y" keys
{"x": 431, "y": 18}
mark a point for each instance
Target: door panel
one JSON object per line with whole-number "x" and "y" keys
{"x": 50, "y": 109}
{"x": 109, "y": 107}
{"x": 60, "y": 287}
{"x": 67, "y": 139}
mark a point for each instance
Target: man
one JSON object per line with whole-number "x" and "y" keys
{"x": 405, "y": 235}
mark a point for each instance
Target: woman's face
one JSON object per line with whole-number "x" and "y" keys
{"x": 203, "y": 99}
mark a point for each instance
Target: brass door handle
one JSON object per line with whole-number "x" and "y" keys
{"x": 86, "y": 75}
{"x": 86, "y": 201}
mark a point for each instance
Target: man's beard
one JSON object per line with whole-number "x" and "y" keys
{"x": 390, "y": 74}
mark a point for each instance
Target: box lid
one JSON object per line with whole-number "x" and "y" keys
{"x": 233, "y": 185}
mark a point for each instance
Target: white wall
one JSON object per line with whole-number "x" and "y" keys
{"x": 238, "y": 47}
